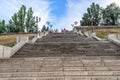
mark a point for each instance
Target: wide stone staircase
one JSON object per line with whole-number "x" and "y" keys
{"x": 63, "y": 56}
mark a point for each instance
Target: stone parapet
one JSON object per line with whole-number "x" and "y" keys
{"x": 115, "y": 38}
{"x": 7, "y": 52}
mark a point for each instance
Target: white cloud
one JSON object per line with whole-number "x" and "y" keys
{"x": 76, "y": 9}
{"x": 111, "y": 1}
{"x": 41, "y": 8}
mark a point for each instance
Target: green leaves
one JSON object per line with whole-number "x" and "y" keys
{"x": 2, "y": 26}
{"x": 30, "y": 22}
{"x": 23, "y": 21}
{"x": 111, "y": 14}
{"x": 92, "y": 15}
{"x": 44, "y": 28}
{"x": 18, "y": 19}
{"x": 75, "y": 22}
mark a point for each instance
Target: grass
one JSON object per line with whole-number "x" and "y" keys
{"x": 31, "y": 37}
{"x": 101, "y": 36}
{"x": 10, "y": 40}
{"x": 82, "y": 32}
{"x": 103, "y": 33}
{"x": 11, "y": 44}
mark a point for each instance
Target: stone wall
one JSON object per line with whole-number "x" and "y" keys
{"x": 115, "y": 38}
{"x": 7, "y": 52}
{"x": 17, "y": 47}
{"x": 22, "y": 38}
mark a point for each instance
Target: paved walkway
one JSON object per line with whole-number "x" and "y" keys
{"x": 61, "y": 56}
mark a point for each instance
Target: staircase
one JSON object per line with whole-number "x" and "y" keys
{"x": 63, "y": 56}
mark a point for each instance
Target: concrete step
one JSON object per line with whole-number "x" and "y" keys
{"x": 69, "y": 44}
{"x": 60, "y": 74}
{"x": 63, "y": 56}
{"x": 65, "y": 78}
{"x": 37, "y": 68}
{"x": 58, "y": 68}
{"x": 33, "y": 78}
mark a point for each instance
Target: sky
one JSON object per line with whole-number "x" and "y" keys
{"x": 61, "y": 13}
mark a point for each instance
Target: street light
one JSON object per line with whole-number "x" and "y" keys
{"x": 92, "y": 24}
{"x": 37, "y": 20}
{"x": 51, "y": 27}
{"x": 91, "y": 20}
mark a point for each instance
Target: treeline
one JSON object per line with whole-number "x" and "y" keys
{"x": 47, "y": 27}
{"x": 96, "y": 15}
{"x": 22, "y": 21}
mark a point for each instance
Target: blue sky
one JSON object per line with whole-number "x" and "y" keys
{"x": 59, "y": 7}
{"x": 61, "y": 13}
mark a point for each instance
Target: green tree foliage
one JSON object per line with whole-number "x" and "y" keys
{"x": 48, "y": 23}
{"x": 21, "y": 18}
{"x": 2, "y": 26}
{"x": 20, "y": 22}
{"x": 85, "y": 20}
{"x": 15, "y": 22}
{"x": 51, "y": 26}
{"x": 111, "y": 14}
{"x": 75, "y": 22}
{"x": 18, "y": 19}
{"x": 10, "y": 27}
{"x": 44, "y": 28}
{"x": 47, "y": 29}
{"x": 30, "y": 22}
{"x": 92, "y": 15}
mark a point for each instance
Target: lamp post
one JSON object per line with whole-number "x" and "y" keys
{"x": 91, "y": 20}
{"x": 37, "y": 20}
{"x": 92, "y": 24}
{"x": 51, "y": 27}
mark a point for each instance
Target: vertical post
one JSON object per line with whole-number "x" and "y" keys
{"x": 92, "y": 24}
{"x": 117, "y": 36}
{"x": 37, "y": 20}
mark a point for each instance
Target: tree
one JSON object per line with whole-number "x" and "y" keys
{"x": 92, "y": 15}
{"x": 51, "y": 26}
{"x": 95, "y": 13}
{"x": 30, "y": 21}
{"x": 21, "y": 18}
{"x": 85, "y": 20}
{"x": 75, "y": 22}
{"x": 111, "y": 14}
{"x": 15, "y": 22}
{"x": 43, "y": 28}
{"x": 47, "y": 29}
{"x": 48, "y": 23}
{"x": 10, "y": 27}
{"x": 20, "y": 22}
{"x": 24, "y": 21}
{"x": 2, "y": 26}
